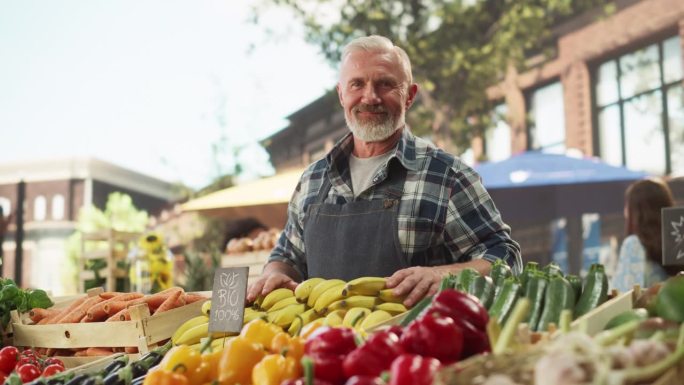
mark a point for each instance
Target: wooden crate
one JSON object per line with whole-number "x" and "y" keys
{"x": 144, "y": 331}
{"x": 255, "y": 260}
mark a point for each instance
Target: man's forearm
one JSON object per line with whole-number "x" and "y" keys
{"x": 283, "y": 268}
{"x": 481, "y": 265}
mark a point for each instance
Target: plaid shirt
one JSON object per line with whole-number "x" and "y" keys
{"x": 445, "y": 214}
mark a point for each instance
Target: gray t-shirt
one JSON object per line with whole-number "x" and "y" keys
{"x": 364, "y": 169}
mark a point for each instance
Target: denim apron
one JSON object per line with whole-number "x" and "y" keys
{"x": 355, "y": 239}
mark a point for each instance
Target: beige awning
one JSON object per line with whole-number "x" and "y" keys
{"x": 265, "y": 199}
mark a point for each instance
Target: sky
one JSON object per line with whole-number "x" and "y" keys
{"x": 150, "y": 85}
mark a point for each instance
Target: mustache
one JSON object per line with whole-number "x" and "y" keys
{"x": 369, "y": 108}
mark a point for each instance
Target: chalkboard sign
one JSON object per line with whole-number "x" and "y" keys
{"x": 673, "y": 236}
{"x": 228, "y": 299}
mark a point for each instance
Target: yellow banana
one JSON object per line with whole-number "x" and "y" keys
{"x": 286, "y": 315}
{"x": 282, "y": 303}
{"x": 206, "y": 307}
{"x": 303, "y": 290}
{"x": 391, "y": 307}
{"x": 329, "y": 296}
{"x": 373, "y": 319}
{"x": 387, "y": 295}
{"x": 275, "y": 296}
{"x": 302, "y": 320}
{"x": 354, "y": 301}
{"x": 193, "y": 335}
{"x": 251, "y": 315}
{"x": 365, "y": 286}
{"x": 354, "y": 316}
{"x": 334, "y": 318}
{"x": 320, "y": 288}
{"x": 189, "y": 324}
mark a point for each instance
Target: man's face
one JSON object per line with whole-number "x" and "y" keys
{"x": 375, "y": 94}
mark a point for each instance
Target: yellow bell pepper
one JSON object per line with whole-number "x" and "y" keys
{"x": 288, "y": 346}
{"x": 164, "y": 377}
{"x": 239, "y": 357}
{"x": 269, "y": 371}
{"x": 184, "y": 360}
{"x": 212, "y": 359}
{"x": 260, "y": 331}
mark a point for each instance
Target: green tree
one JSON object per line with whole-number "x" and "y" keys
{"x": 458, "y": 48}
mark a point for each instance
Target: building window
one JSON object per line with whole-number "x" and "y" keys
{"x": 497, "y": 138}
{"x": 39, "y": 208}
{"x": 639, "y": 101}
{"x": 6, "y": 206}
{"x": 58, "y": 207}
{"x": 546, "y": 128}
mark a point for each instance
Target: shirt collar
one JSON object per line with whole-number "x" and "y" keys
{"x": 338, "y": 158}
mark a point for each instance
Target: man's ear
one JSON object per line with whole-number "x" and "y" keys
{"x": 412, "y": 92}
{"x": 339, "y": 94}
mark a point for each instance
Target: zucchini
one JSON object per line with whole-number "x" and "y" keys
{"x": 500, "y": 271}
{"x": 576, "y": 283}
{"x": 552, "y": 269}
{"x": 482, "y": 288}
{"x": 530, "y": 267}
{"x": 505, "y": 300}
{"x": 595, "y": 290}
{"x": 558, "y": 296}
{"x": 536, "y": 288}
{"x": 465, "y": 278}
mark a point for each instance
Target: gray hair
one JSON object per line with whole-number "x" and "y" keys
{"x": 377, "y": 43}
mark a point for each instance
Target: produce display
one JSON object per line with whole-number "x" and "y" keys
{"x": 637, "y": 346}
{"x": 265, "y": 240}
{"x": 548, "y": 290}
{"x": 332, "y": 332}
{"x": 106, "y": 307}
{"x": 14, "y": 298}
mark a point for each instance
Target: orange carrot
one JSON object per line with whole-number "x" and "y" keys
{"x": 37, "y": 314}
{"x": 68, "y": 310}
{"x": 99, "y": 351}
{"x": 194, "y": 297}
{"x": 119, "y": 316}
{"x": 116, "y": 306}
{"x": 79, "y": 313}
{"x": 97, "y": 312}
{"x": 155, "y": 300}
{"x": 110, "y": 294}
{"x": 170, "y": 302}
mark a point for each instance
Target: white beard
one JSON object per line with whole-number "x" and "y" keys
{"x": 374, "y": 130}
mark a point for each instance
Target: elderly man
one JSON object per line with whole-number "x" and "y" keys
{"x": 384, "y": 202}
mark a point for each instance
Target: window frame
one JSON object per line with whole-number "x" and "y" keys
{"x": 594, "y": 66}
{"x": 530, "y": 123}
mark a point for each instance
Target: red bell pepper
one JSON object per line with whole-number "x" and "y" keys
{"x": 327, "y": 350}
{"x": 474, "y": 341}
{"x": 411, "y": 369}
{"x": 458, "y": 305}
{"x": 374, "y": 356}
{"x": 434, "y": 336}
{"x": 364, "y": 380}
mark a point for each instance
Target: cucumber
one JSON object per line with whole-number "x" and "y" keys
{"x": 482, "y": 288}
{"x": 535, "y": 291}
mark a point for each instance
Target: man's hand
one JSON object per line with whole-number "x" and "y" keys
{"x": 416, "y": 282}
{"x": 275, "y": 275}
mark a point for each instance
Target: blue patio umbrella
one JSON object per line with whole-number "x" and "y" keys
{"x": 539, "y": 169}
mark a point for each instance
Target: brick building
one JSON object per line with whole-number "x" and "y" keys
{"x": 55, "y": 191}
